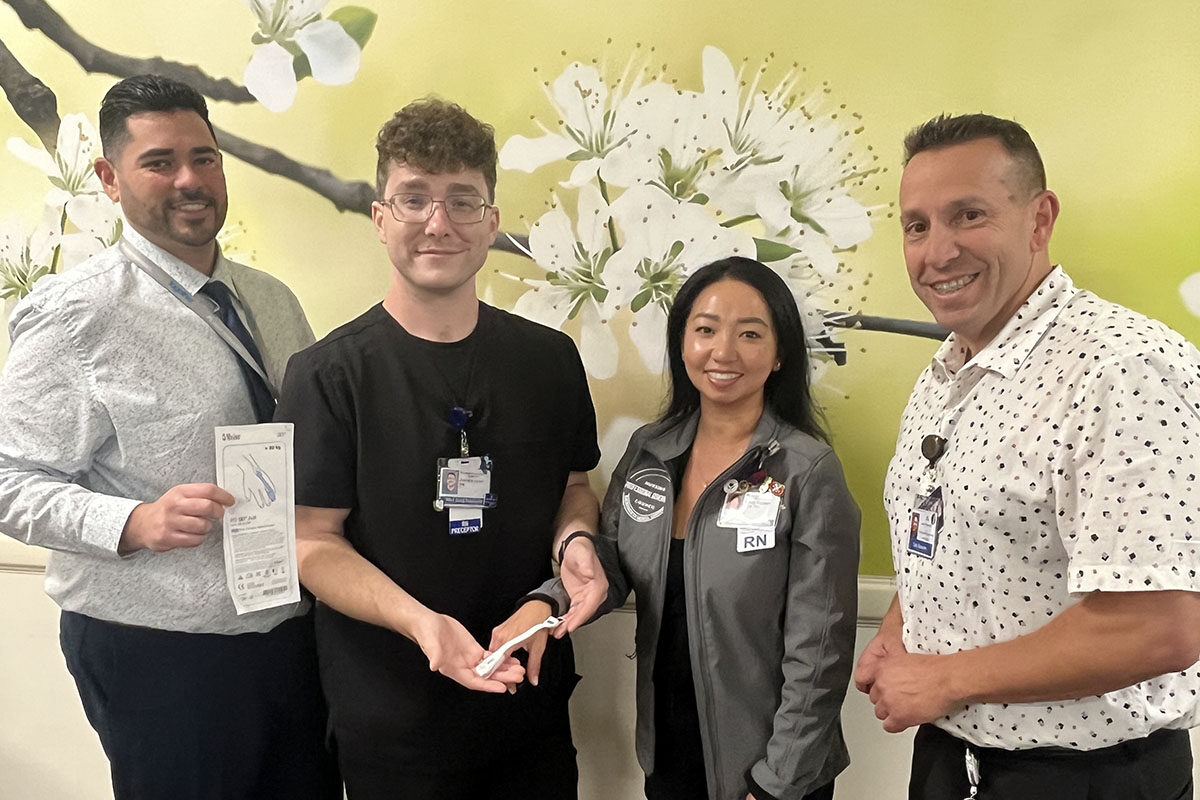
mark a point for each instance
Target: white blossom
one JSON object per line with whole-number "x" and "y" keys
{"x": 665, "y": 242}
{"x": 288, "y": 26}
{"x": 26, "y": 255}
{"x": 593, "y": 123}
{"x": 574, "y": 257}
{"x": 675, "y": 145}
{"x": 790, "y": 163}
{"x": 1189, "y": 291}
{"x": 75, "y": 189}
{"x": 734, "y": 169}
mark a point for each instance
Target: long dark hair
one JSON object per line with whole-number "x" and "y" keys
{"x": 786, "y": 391}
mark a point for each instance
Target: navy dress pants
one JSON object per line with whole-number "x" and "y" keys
{"x": 193, "y": 716}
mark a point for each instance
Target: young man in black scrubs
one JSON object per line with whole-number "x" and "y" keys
{"x": 428, "y": 382}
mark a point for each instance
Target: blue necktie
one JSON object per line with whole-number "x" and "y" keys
{"x": 260, "y": 395}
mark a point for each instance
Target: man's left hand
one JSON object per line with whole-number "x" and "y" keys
{"x": 910, "y": 689}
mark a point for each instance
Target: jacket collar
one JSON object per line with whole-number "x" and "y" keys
{"x": 670, "y": 439}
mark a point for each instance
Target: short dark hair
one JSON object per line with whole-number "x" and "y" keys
{"x": 141, "y": 93}
{"x": 944, "y": 131}
{"x": 787, "y": 392}
{"x": 436, "y": 136}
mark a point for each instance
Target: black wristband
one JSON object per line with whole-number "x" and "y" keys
{"x": 562, "y": 548}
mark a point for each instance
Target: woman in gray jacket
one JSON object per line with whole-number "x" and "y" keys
{"x": 730, "y": 520}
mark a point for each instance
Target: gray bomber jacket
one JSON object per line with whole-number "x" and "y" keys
{"x": 771, "y": 631}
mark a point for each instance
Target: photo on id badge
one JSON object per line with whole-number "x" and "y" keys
{"x": 925, "y": 524}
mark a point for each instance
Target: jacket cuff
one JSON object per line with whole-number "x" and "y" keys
{"x": 552, "y": 592}
{"x": 755, "y": 789}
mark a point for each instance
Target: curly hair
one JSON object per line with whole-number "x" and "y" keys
{"x": 437, "y": 137}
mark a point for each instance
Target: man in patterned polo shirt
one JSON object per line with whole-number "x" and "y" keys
{"x": 1043, "y": 500}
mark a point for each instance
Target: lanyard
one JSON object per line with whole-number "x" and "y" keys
{"x": 203, "y": 310}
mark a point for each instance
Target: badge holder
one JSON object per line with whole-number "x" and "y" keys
{"x": 752, "y": 508}
{"x": 925, "y": 523}
{"x": 464, "y": 484}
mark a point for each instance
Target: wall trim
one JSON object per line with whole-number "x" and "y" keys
{"x": 874, "y": 591}
{"x": 22, "y": 569}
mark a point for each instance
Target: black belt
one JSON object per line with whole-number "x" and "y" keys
{"x": 1133, "y": 747}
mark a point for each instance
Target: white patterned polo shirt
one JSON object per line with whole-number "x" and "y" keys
{"x": 1071, "y": 466}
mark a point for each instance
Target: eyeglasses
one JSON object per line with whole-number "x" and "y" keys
{"x": 461, "y": 208}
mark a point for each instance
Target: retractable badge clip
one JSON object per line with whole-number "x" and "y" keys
{"x": 932, "y": 448}
{"x": 925, "y": 522}
{"x": 459, "y": 417}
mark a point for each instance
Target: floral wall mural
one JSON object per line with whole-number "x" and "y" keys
{"x": 669, "y": 179}
{"x": 634, "y": 149}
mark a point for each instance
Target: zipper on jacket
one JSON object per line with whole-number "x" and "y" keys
{"x": 691, "y": 592}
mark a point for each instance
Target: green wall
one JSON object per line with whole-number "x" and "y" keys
{"x": 1110, "y": 91}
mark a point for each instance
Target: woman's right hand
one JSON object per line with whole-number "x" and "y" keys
{"x": 584, "y": 579}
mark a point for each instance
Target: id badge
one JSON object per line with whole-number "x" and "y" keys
{"x": 751, "y": 509}
{"x": 925, "y": 524}
{"x": 465, "y": 482}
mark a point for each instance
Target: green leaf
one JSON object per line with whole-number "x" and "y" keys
{"x": 301, "y": 67}
{"x": 576, "y": 136}
{"x": 770, "y": 250}
{"x": 699, "y": 198}
{"x": 359, "y": 22}
{"x": 258, "y": 38}
{"x": 640, "y": 301}
{"x": 58, "y": 183}
{"x": 577, "y": 305}
{"x": 730, "y": 223}
{"x": 805, "y": 219}
{"x": 676, "y": 248}
{"x": 579, "y": 155}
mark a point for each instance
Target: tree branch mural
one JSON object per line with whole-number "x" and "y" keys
{"x": 38, "y": 15}
{"x": 33, "y": 100}
{"x": 654, "y": 198}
